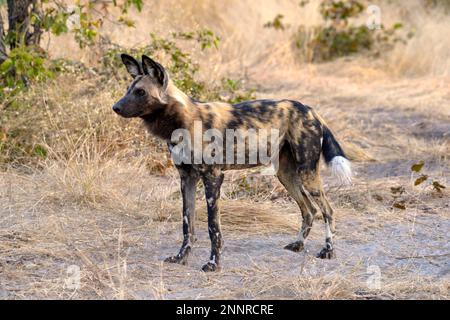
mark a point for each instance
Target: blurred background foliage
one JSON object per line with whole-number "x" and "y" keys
{"x": 29, "y": 72}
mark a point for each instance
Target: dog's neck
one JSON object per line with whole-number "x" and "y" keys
{"x": 175, "y": 114}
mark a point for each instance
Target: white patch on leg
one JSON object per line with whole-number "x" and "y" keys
{"x": 328, "y": 236}
{"x": 328, "y": 233}
{"x": 300, "y": 236}
{"x": 340, "y": 168}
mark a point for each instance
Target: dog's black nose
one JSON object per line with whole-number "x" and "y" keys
{"x": 116, "y": 109}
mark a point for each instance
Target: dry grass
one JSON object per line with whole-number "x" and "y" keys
{"x": 118, "y": 251}
{"x": 414, "y": 58}
{"x": 106, "y": 198}
{"x": 242, "y": 53}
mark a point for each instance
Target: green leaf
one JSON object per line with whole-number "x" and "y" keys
{"x": 6, "y": 66}
{"x": 418, "y": 166}
{"x": 421, "y": 179}
{"x": 126, "y": 21}
{"x": 397, "y": 25}
{"x": 303, "y": 3}
{"x": 277, "y": 23}
{"x": 40, "y": 151}
{"x": 137, "y": 3}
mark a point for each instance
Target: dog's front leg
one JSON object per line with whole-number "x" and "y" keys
{"x": 189, "y": 179}
{"x": 213, "y": 181}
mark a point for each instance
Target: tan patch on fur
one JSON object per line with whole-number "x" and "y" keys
{"x": 176, "y": 95}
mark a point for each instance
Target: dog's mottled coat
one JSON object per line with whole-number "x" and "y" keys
{"x": 303, "y": 137}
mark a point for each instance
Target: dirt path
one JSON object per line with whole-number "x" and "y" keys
{"x": 383, "y": 253}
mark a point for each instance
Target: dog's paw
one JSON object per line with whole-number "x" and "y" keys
{"x": 210, "y": 267}
{"x": 177, "y": 259}
{"x": 296, "y": 246}
{"x": 326, "y": 253}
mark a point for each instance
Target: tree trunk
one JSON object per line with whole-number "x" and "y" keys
{"x": 3, "y": 55}
{"x": 20, "y": 29}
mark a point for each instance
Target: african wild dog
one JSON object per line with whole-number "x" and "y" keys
{"x": 303, "y": 137}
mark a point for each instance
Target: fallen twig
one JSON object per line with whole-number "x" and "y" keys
{"x": 424, "y": 256}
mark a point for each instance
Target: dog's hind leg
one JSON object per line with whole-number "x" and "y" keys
{"x": 327, "y": 252}
{"x": 307, "y": 154}
{"x": 313, "y": 185}
{"x": 189, "y": 179}
{"x": 289, "y": 177}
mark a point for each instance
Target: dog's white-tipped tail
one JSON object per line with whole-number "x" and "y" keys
{"x": 341, "y": 169}
{"x": 335, "y": 157}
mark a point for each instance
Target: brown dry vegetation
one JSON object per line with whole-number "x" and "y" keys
{"x": 106, "y": 199}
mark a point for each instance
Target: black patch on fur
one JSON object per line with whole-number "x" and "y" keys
{"x": 330, "y": 147}
{"x": 245, "y": 112}
{"x": 162, "y": 124}
{"x": 303, "y": 109}
{"x": 209, "y": 121}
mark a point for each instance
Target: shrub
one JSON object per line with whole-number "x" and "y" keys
{"x": 22, "y": 65}
{"x": 180, "y": 65}
{"x": 22, "y": 60}
{"x": 338, "y": 37}
{"x": 328, "y": 43}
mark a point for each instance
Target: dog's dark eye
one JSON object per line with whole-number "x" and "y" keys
{"x": 139, "y": 92}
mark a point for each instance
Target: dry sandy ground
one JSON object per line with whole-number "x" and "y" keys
{"x": 382, "y": 252}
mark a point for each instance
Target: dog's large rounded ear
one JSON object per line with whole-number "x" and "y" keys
{"x": 155, "y": 70}
{"x": 133, "y": 67}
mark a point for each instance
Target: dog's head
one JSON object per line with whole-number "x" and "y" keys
{"x": 147, "y": 92}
